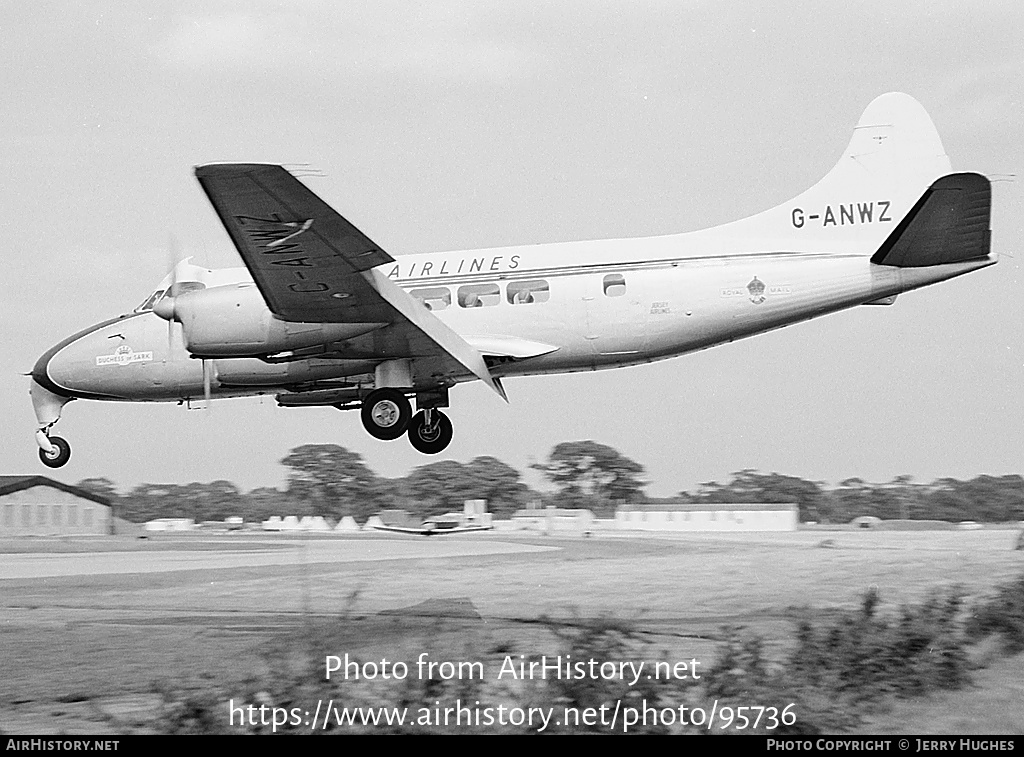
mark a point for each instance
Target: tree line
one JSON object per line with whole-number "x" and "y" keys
{"x": 331, "y": 481}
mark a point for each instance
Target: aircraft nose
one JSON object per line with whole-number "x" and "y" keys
{"x": 63, "y": 369}
{"x": 41, "y": 371}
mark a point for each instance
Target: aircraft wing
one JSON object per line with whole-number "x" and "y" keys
{"x": 313, "y": 266}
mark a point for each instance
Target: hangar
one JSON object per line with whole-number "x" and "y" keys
{"x": 683, "y": 516}
{"x": 40, "y": 506}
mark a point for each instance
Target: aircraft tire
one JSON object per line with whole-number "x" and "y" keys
{"x": 430, "y": 441}
{"x": 386, "y": 413}
{"x": 59, "y": 456}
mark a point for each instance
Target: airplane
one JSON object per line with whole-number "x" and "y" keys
{"x": 322, "y": 316}
{"x": 432, "y": 527}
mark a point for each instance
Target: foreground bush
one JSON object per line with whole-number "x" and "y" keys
{"x": 1001, "y": 616}
{"x": 838, "y": 668}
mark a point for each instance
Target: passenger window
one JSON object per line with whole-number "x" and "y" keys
{"x": 479, "y": 295}
{"x": 433, "y": 298}
{"x": 526, "y": 292}
{"x": 614, "y": 285}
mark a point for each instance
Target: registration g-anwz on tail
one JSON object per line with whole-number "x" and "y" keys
{"x": 320, "y": 315}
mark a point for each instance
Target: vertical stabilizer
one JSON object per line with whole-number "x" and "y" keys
{"x": 893, "y": 156}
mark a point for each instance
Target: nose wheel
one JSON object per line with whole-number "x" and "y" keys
{"x": 58, "y": 456}
{"x": 385, "y": 413}
{"x": 430, "y": 431}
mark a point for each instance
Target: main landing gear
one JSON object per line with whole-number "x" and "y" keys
{"x": 387, "y": 414}
{"x": 59, "y": 454}
{"x": 430, "y": 431}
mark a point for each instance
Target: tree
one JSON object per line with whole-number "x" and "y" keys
{"x": 444, "y": 486}
{"x": 267, "y": 501}
{"x": 749, "y": 486}
{"x": 984, "y": 498}
{"x": 500, "y": 484}
{"x": 590, "y": 474}
{"x": 149, "y": 501}
{"x": 216, "y": 500}
{"x": 854, "y": 498}
{"x": 333, "y": 480}
{"x": 437, "y": 488}
{"x": 102, "y": 487}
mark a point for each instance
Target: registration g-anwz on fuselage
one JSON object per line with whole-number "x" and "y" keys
{"x": 320, "y": 315}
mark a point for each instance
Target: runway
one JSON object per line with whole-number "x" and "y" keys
{"x": 30, "y": 566}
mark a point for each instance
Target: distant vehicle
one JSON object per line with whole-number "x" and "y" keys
{"x": 433, "y": 527}
{"x": 866, "y": 521}
{"x": 322, "y": 316}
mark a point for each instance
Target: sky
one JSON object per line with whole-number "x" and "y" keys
{"x": 462, "y": 125}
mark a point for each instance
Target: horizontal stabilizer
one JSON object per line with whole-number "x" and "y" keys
{"x": 949, "y": 224}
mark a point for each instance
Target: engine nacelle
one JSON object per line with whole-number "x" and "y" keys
{"x": 234, "y": 321}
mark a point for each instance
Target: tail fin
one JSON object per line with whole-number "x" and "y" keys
{"x": 894, "y": 154}
{"x": 949, "y": 224}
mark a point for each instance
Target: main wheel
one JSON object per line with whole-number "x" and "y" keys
{"x": 386, "y": 413}
{"x": 60, "y": 455}
{"x": 433, "y": 438}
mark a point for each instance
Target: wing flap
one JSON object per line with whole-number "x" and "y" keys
{"x": 509, "y": 346}
{"x": 428, "y": 324}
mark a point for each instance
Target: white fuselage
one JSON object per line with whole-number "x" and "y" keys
{"x": 598, "y": 305}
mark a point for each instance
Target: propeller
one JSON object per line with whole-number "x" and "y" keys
{"x": 207, "y": 378}
{"x": 165, "y": 308}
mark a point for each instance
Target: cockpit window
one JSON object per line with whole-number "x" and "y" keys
{"x": 150, "y": 301}
{"x": 185, "y": 286}
{"x": 179, "y": 288}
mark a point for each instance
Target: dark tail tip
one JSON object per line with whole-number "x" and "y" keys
{"x": 949, "y": 224}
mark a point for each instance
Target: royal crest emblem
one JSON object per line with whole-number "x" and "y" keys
{"x": 124, "y": 355}
{"x": 756, "y": 288}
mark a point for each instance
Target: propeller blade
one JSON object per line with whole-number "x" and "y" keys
{"x": 173, "y": 255}
{"x": 207, "y": 378}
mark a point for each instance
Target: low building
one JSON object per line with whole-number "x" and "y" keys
{"x": 552, "y": 519}
{"x": 40, "y": 506}
{"x": 681, "y": 516}
{"x": 170, "y": 524}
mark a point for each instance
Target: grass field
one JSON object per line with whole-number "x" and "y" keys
{"x": 90, "y": 653}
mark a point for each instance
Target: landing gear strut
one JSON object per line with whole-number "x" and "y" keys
{"x": 386, "y": 413}
{"x": 59, "y": 455}
{"x": 430, "y": 431}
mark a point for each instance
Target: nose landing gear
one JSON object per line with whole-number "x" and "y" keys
{"x": 58, "y": 454}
